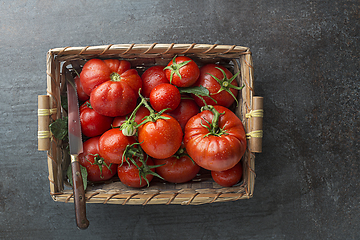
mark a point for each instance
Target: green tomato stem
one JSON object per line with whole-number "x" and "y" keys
{"x": 214, "y": 128}
{"x": 145, "y": 103}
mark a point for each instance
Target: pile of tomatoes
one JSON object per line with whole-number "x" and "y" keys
{"x": 169, "y": 122}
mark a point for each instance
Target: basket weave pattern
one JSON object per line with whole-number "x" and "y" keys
{"x": 199, "y": 191}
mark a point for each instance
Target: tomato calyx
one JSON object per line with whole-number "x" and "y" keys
{"x": 115, "y": 77}
{"x": 181, "y": 153}
{"x": 225, "y": 83}
{"x": 154, "y": 116}
{"x": 175, "y": 68}
{"x": 129, "y": 127}
{"x": 88, "y": 104}
{"x": 131, "y": 153}
{"x": 99, "y": 161}
{"x": 213, "y": 126}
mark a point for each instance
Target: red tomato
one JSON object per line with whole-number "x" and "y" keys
{"x": 215, "y": 148}
{"x": 118, "y": 96}
{"x": 92, "y": 123}
{"x": 112, "y": 144}
{"x": 140, "y": 114}
{"x": 165, "y": 96}
{"x": 96, "y": 166}
{"x": 162, "y": 138}
{"x": 177, "y": 170}
{"x": 97, "y": 71}
{"x": 186, "y": 109}
{"x": 222, "y": 98}
{"x": 228, "y": 177}
{"x": 129, "y": 174}
{"x": 152, "y": 77}
{"x": 82, "y": 96}
{"x": 182, "y": 71}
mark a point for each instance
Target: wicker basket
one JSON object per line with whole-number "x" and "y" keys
{"x": 202, "y": 189}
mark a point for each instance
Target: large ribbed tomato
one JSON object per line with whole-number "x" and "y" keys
{"x": 215, "y": 138}
{"x": 97, "y": 71}
{"x": 113, "y": 87}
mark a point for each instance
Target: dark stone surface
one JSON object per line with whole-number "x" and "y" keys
{"x": 306, "y": 58}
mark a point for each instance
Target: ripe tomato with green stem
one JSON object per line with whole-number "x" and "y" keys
{"x": 215, "y": 138}
{"x": 98, "y": 168}
{"x": 182, "y": 71}
{"x": 117, "y": 96}
{"x": 97, "y": 71}
{"x": 129, "y": 174}
{"x": 137, "y": 169}
{"x": 112, "y": 86}
{"x": 221, "y": 84}
{"x": 159, "y": 134}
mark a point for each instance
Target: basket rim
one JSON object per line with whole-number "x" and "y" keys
{"x": 156, "y": 48}
{"x": 136, "y": 198}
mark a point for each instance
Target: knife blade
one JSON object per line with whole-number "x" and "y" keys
{"x": 76, "y": 147}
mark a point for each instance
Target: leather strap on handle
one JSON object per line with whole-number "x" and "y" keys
{"x": 79, "y": 194}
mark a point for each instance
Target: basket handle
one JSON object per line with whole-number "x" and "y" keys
{"x": 43, "y": 122}
{"x": 256, "y": 121}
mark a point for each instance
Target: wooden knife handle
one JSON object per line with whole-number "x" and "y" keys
{"x": 79, "y": 194}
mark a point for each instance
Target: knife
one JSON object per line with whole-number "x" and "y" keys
{"x": 76, "y": 147}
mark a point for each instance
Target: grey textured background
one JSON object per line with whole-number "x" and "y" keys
{"x": 306, "y": 58}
